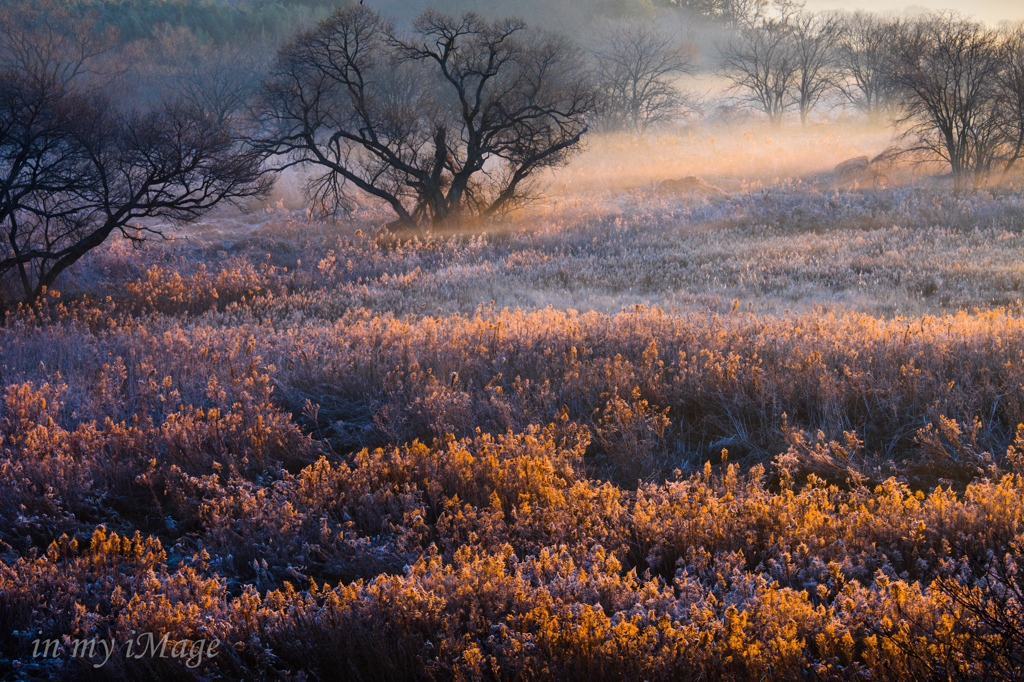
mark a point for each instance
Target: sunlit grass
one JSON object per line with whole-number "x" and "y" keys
{"x": 617, "y": 435}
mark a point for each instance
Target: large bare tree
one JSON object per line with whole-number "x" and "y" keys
{"x": 949, "y": 72}
{"x": 452, "y": 118}
{"x": 637, "y": 68}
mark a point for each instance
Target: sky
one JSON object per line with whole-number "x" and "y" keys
{"x": 992, "y": 11}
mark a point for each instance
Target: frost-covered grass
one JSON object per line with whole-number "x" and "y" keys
{"x": 620, "y": 434}
{"x": 905, "y": 251}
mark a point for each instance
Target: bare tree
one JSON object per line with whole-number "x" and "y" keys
{"x": 454, "y": 117}
{"x": 949, "y": 72}
{"x": 760, "y": 61}
{"x": 47, "y": 42}
{"x": 868, "y": 53}
{"x": 38, "y": 157}
{"x": 1011, "y": 83}
{"x": 337, "y": 99}
{"x": 636, "y": 70}
{"x": 74, "y": 169}
{"x": 814, "y": 49}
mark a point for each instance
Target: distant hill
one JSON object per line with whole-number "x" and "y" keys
{"x": 221, "y": 21}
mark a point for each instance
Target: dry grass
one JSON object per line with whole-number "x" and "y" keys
{"x": 620, "y": 435}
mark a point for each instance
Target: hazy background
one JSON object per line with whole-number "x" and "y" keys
{"x": 993, "y": 11}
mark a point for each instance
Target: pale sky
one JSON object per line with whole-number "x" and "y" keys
{"x": 992, "y": 11}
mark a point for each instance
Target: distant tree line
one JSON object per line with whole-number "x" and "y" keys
{"x": 953, "y": 86}
{"x": 219, "y": 22}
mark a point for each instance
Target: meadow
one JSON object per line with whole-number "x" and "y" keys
{"x": 769, "y": 425}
